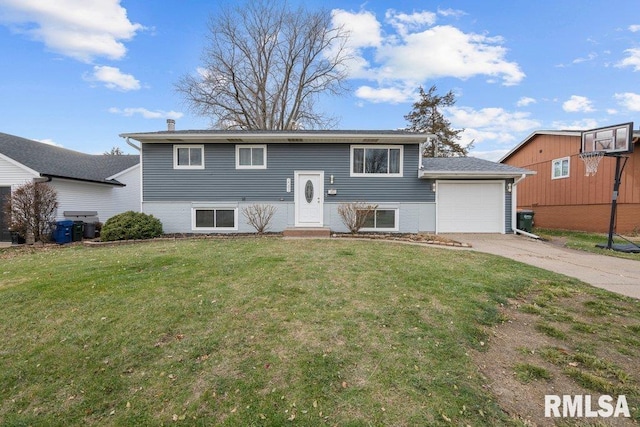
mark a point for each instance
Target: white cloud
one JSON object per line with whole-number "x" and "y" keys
{"x": 451, "y": 12}
{"x": 634, "y": 28}
{"x": 525, "y": 100}
{"x": 578, "y": 104}
{"x": 491, "y": 155}
{"x": 79, "y": 29}
{"x": 391, "y": 95}
{"x": 632, "y": 59}
{"x": 147, "y": 114}
{"x": 409, "y": 51}
{"x": 404, "y": 23}
{"x": 495, "y": 120}
{"x": 490, "y": 126}
{"x": 590, "y": 57}
{"x": 629, "y": 100}
{"x": 576, "y": 125}
{"x": 49, "y": 142}
{"x": 113, "y": 78}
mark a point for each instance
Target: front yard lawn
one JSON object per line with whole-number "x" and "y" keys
{"x": 586, "y": 241}
{"x": 266, "y": 331}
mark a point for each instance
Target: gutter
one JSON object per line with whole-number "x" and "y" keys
{"x": 113, "y": 182}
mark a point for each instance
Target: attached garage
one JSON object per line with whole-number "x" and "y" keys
{"x": 470, "y": 206}
{"x": 472, "y": 195}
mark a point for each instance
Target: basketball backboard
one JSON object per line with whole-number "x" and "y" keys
{"x": 610, "y": 140}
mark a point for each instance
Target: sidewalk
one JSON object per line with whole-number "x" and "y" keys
{"x": 613, "y": 274}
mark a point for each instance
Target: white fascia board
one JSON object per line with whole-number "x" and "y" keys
{"x": 280, "y": 137}
{"x": 471, "y": 175}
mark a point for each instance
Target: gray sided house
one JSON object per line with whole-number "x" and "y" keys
{"x": 200, "y": 181}
{"x": 85, "y": 183}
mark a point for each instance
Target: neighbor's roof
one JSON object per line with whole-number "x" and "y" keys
{"x": 577, "y": 133}
{"x": 468, "y": 167}
{"x": 273, "y": 136}
{"x": 51, "y": 161}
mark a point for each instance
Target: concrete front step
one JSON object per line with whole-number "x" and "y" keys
{"x": 311, "y": 232}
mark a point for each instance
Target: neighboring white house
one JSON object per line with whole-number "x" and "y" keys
{"x": 106, "y": 184}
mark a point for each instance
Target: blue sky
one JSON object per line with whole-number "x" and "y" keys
{"x": 77, "y": 73}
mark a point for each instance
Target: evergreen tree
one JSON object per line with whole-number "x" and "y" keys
{"x": 426, "y": 117}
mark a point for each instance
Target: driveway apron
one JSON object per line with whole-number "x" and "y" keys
{"x": 613, "y": 274}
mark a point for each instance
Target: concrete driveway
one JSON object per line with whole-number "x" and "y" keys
{"x": 610, "y": 273}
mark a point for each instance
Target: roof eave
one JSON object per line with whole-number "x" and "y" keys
{"x": 93, "y": 181}
{"x": 363, "y": 137}
{"x": 471, "y": 174}
{"x": 536, "y": 133}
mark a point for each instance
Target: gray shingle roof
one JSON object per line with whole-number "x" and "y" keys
{"x": 467, "y": 166}
{"x": 49, "y": 160}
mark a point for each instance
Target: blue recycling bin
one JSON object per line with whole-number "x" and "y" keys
{"x": 63, "y": 232}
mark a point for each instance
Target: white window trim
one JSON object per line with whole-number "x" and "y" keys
{"x": 210, "y": 207}
{"x": 396, "y": 220}
{"x": 175, "y": 156}
{"x": 381, "y": 175}
{"x": 553, "y": 167}
{"x": 264, "y": 156}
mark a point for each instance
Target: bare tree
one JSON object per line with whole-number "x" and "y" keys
{"x": 259, "y": 216}
{"x": 355, "y": 215}
{"x": 427, "y": 117}
{"x": 115, "y": 151}
{"x": 265, "y": 66}
{"x": 31, "y": 209}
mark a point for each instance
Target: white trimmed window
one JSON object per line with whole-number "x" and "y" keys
{"x": 188, "y": 156}
{"x": 560, "y": 168}
{"x": 251, "y": 156}
{"x": 376, "y": 160}
{"x": 382, "y": 219}
{"x": 218, "y": 218}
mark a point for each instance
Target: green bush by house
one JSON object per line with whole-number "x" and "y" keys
{"x": 131, "y": 225}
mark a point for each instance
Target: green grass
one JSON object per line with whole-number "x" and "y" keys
{"x": 587, "y": 241}
{"x": 258, "y": 331}
{"x": 526, "y": 372}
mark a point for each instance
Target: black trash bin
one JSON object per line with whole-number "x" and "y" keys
{"x": 78, "y": 231}
{"x": 525, "y": 220}
{"x": 89, "y": 230}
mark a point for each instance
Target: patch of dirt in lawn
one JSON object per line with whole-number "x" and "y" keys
{"x": 516, "y": 341}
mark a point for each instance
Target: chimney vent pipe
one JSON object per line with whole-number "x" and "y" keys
{"x": 171, "y": 125}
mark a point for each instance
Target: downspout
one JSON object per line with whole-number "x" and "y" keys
{"x": 132, "y": 144}
{"x": 141, "y": 183}
{"x": 514, "y": 209}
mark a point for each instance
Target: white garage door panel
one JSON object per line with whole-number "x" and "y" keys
{"x": 470, "y": 207}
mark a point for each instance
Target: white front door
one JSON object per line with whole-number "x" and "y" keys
{"x": 309, "y": 198}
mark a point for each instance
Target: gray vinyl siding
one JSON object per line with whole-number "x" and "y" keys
{"x": 508, "y": 208}
{"x": 176, "y": 217}
{"x": 221, "y": 181}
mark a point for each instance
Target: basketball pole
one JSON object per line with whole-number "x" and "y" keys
{"x": 614, "y": 197}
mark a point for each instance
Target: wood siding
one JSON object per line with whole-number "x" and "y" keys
{"x": 577, "y": 202}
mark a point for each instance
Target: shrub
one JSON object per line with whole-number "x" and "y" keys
{"x": 354, "y": 215}
{"x": 259, "y": 216}
{"x": 31, "y": 210}
{"x": 131, "y": 225}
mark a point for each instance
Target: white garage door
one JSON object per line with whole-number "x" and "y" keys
{"x": 470, "y": 207}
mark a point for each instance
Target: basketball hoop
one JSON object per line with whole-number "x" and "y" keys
{"x": 591, "y": 161}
